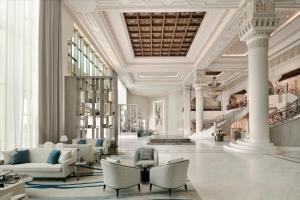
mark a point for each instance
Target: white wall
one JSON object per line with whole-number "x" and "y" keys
{"x": 143, "y": 104}
{"x": 173, "y": 112}
{"x": 122, "y": 93}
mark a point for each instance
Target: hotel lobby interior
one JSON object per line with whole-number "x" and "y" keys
{"x": 150, "y": 99}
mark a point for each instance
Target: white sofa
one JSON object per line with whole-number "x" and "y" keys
{"x": 87, "y": 151}
{"x": 170, "y": 176}
{"x": 118, "y": 176}
{"x": 39, "y": 168}
{"x": 92, "y": 141}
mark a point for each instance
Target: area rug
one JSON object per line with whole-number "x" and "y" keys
{"x": 90, "y": 187}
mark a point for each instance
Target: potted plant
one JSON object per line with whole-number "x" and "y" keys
{"x": 219, "y": 136}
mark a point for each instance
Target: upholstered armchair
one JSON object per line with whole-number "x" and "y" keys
{"x": 117, "y": 176}
{"x": 170, "y": 176}
{"x": 146, "y": 157}
{"x": 14, "y": 191}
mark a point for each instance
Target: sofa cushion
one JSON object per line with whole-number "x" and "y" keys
{"x": 146, "y": 154}
{"x": 7, "y": 155}
{"x": 39, "y": 155}
{"x": 19, "y": 157}
{"x": 53, "y": 156}
{"x": 81, "y": 141}
{"x": 99, "y": 142}
{"x": 64, "y": 155}
{"x": 33, "y": 167}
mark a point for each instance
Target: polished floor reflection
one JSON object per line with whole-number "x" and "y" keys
{"x": 219, "y": 175}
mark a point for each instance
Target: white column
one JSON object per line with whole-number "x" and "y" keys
{"x": 199, "y": 108}
{"x": 200, "y": 82}
{"x": 258, "y": 89}
{"x": 258, "y": 21}
{"x": 187, "y": 110}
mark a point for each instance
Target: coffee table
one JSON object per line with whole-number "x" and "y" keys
{"x": 12, "y": 178}
{"x": 145, "y": 175}
{"x": 78, "y": 165}
{"x": 4, "y": 173}
{"x": 100, "y": 154}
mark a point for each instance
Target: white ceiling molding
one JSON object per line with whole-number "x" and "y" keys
{"x": 287, "y": 3}
{"x": 227, "y": 31}
{"x": 165, "y": 5}
{"x": 159, "y": 67}
{"x": 208, "y": 27}
{"x": 103, "y": 21}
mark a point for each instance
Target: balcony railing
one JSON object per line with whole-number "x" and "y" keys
{"x": 286, "y": 113}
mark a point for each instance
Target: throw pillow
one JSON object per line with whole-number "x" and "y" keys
{"x": 112, "y": 160}
{"x": 7, "y": 156}
{"x": 53, "y": 156}
{"x": 19, "y": 157}
{"x": 64, "y": 155}
{"x": 175, "y": 160}
{"x": 146, "y": 154}
{"x": 99, "y": 143}
{"x": 81, "y": 141}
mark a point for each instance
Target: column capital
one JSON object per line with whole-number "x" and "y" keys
{"x": 258, "y": 20}
{"x": 200, "y": 80}
{"x": 187, "y": 87}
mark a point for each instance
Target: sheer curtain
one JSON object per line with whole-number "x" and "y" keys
{"x": 19, "y": 29}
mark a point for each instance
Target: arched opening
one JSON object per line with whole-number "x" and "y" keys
{"x": 289, "y": 82}
{"x": 237, "y": 100}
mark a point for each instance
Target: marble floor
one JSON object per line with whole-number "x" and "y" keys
{"x": 218, "y": 175}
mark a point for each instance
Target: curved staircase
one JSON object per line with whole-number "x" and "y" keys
{"x": 222, "y": 122}
{"x": 277, "y": 118}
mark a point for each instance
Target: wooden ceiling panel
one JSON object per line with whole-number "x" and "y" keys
{"x": 162, "y": 33}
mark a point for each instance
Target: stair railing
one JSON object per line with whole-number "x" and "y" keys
{"x": 223, "y": 118}
{"x": 288, "y": 112}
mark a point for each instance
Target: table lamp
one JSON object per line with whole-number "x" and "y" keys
{"x": 64, "y": 139}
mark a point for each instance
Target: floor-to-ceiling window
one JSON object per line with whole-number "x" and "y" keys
{"x": 19, "y": 28}
{"x": 84, "y": 60}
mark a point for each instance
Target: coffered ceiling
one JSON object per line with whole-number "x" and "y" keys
{"x": 155, "y": 46}
{"x": 162, "y": 33}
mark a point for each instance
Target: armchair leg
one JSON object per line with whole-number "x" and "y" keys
{"x": 150, "y": 187}
{"x": 117, "y": 190}
{"x": 185, "y": 186}
{"x": 104, "y": 186}
{"x": 139, "y": 187}
{"x": 170, "y": 192}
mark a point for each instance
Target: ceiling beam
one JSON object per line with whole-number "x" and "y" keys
{"x": 162, "y": 32}
{"x": 173, "y": 34}
{"x": 183, "y": 37}
{"x": 141, "y": 42}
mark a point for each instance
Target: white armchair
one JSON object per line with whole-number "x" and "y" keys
{"x": 14, "y": 191}
{"x": 170, "y": 176}
{"x": 117, "y": 176}
{"x": 149, "y": 159}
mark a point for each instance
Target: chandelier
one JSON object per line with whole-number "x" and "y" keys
{"x": 215, "y": 88}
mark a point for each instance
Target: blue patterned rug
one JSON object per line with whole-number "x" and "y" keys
{"x": 90, "y": 187}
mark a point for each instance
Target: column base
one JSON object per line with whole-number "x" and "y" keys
{"x": 247, "y": 146}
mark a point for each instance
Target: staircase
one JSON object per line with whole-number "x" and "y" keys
{"x": 276, "y": 118}
{"x": 222, "y": 122}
